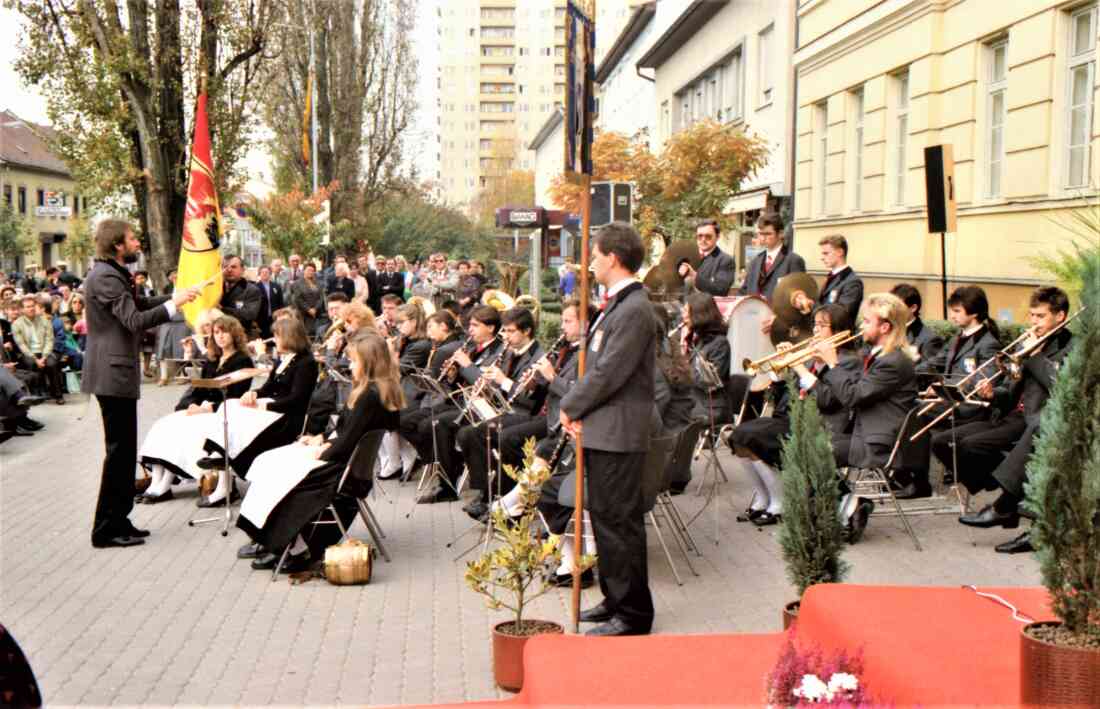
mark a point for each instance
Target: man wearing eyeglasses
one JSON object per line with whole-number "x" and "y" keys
{"x": 717, "y": 269}
{"x": 438, "y": 284}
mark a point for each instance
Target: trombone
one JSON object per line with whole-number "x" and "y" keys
{"x": 795, "y": 355}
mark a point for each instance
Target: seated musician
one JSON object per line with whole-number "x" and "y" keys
{"x": 879, "y": 394}
{"x": 294, "y": 483}
{"x": 174, "y": 444}
{"x": 706, "y": 342}
{"x": 921, "y": 337}
{"x": 758, "y": 443}
{"x": 993, "y": 453}
{"x": 332, "y": 385}
{"x": 418, "y": 415}
{"x": 526, "y": 397}
{"x": 957, "y": 364}
{"x": 270, "y": 416}
{"x": 559, "y": 371}
{"x": 674, "y": 393}
{"x": 387, "y": 323}
{"x": 412, "y": 348}
{"x": 335, "y": 303}
{"x": 842, "y": 285}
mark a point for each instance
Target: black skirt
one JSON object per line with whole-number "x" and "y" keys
{"x": 764, "y": 437}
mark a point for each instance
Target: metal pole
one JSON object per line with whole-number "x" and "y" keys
{"x": 536, "y": 264}
{"x": 578, "y": 512}
{"x": 943, "y": 271}
{"x": 313, "y": 99}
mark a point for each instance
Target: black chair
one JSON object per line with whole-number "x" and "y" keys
{"x": 654, "y": 483}
{"x": 355, "y": 482}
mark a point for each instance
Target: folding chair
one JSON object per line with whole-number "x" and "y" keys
{"x": 355, "y": 483}
{"x": 655, "y": 482}
{"x": 682, "y": 454}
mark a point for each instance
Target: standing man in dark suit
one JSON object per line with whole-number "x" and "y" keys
{"x": 374, "y": 288}
{"x": 611, "y": 405}
{"x": 842, "y": 285}
{"x": 767, "y": 268}
{"x": 271, "y": 299}
{"x": 923, "y": 338}
{"x": 240, "y": 298}
{"x": 391, "y": 281}
{"x": 116, "y": 319}
{"x": 717, "y": 269}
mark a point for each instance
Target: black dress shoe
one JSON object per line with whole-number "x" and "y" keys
{"x": 478, "y": 510}
{"x": 988, "y": 516}
{"x": 5, "y": 435}
{"x": 292, "y": 564}
{"x": 60, "y": 401}
{"x": 251, "y": 551}
{"x": 444, "y": 494}
{"x": 121, "y": 540}
{"x": 614, "y": 628}
{"x": 267, "y": 560}
{"x": 677, "y": 489}
{"x": 913, "y": 491}
{"x": 596, "y": 614}
{"x": 212, "y": 463}
{"x": 767, "y": 518}
{"x": 1019, "y": 545}
{"x": 148, "y": 499}
{"x": 28, "y": 424}
{"x": 138, "y": 533}
{"x": 749, "y": 515}
{"x": 566, "y": 580}
{"x": 858, "y": 523}
{"x": 16, "y": 431}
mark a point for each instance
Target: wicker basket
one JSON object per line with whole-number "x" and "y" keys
{"x": 349, "y": 563}
{"x": 1057, "y": 675}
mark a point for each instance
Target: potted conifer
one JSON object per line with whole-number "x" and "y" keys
{"x": 811, "y": 535}
{"x": 510, "y": 575}
{"x": 1060, "y": 661}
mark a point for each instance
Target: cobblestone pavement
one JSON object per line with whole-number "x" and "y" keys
{"x": 182, "y": 621}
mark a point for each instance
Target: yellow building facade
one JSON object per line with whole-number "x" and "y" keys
{"x": 1010, "y": 86}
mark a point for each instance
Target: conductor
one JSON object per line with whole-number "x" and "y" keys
{"x": 116, "y": 318}
{"x": 613, "y": 403}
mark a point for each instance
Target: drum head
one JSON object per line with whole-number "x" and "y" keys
{"x": 744, "y": 318}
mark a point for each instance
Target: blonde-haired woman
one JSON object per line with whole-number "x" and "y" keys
{"x": 291, "y": 485}
{"x": 412, "y": 349}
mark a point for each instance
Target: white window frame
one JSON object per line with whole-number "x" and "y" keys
{"x": 765, "y": 91}
{"x": 996, "y": 87}
{"x": 858, "y": 106}
{"x": 900, "y": 82}
{"x": 821, "y": 134}
{"x": 733, "y": 92}
{"x": 1078, "y": 60}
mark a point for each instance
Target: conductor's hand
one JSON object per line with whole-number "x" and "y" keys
{"x": 462, "y": 358}
{"x": 546, "y": 369}
{"x": 249, "y": 399}
{"x": 185, "y": 295}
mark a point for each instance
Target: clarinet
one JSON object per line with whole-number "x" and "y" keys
{"x": 532, "y": 371}
{"x": 445, "y": 370}
{"x": 556, "y": 455}
{"x": 483, "y": 381}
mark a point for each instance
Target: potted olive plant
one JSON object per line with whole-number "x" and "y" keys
{"x": 510, "y": 575}
{"x": 811, "y": 535}
{"x": 1060, "y": 661}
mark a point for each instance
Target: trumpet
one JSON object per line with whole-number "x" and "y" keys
{"x": 795, "y": 355}
{"x": 1011, "y": 363}
{"x": 337, "y": 326}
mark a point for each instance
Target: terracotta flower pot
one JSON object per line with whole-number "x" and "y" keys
{"x": 790, "y": 613}
{"x": 1053, "y": 673}
{"x": 508, "y": 650}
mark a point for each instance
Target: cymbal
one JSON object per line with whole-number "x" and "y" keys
{"x": 665, "y": 275}
{"x": 792, "y": 291}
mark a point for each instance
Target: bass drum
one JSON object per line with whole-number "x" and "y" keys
{"x": 744, "y": 316}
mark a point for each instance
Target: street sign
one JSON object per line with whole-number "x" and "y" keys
{"x": 53, "y": 211}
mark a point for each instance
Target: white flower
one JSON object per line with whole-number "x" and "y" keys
{"x": 843, "y": 682}
{"x": 811, "y": 689}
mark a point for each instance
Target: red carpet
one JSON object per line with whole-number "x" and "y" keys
{"x": 930, "y": 646}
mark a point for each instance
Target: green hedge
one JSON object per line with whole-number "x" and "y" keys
{"x": 549, "y": 327}
{"x": 946, "y": 330}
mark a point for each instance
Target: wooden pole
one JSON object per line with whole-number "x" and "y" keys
{"x": 578, "y": 512}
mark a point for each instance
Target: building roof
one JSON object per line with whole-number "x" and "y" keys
{"x": 638, "y": 21}
{"x": 547, "y": 129}
{"x": 680, "y": 32}
{"x": 23, "y": 144}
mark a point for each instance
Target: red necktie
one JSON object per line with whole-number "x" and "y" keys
{"x": 604, "y": 300}
{"x": 768, "y": 264}
{"x": 867, "y": 361}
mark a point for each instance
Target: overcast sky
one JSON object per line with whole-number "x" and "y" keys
{"x": 27, "y": 103}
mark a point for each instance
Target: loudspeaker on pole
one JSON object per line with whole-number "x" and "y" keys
{"x": 939, "y": 186}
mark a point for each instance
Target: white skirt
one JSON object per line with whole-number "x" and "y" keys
{"x": 245, "y": 424}
{"x": 272, "y": 476}
{"x": 177, "y": 439}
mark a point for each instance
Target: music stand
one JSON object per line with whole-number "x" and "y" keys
{"x": 709, "y": 376}
{"x": 433, "y": 471}
{"x": 223, "y": 383}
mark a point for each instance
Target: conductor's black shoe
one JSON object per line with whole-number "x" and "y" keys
{"x": 566, "y": 580}
{"x": 251, "y": 551}
{"x": 988, "y": 516}
{"x": 477, "y": 510}
{"x": 212, "y": 463}
{"x": 749, "y": 515}
{"x": 138, "y": 533}
{"x": 766, "y": 518}
{"x": 122, "y": 540}
{"x": 596, "y": 614}
{"x": 914, "y": 490}
{"x": 1019, "y": 545}
{"x": 616, "y": 627}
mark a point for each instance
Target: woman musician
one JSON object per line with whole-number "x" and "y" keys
{"x": 333, "y": 383}
{"x": 708, "y": 352}
{"x": 294, "y": 483}
{"x": 270, "y": 416}
{"x": 174, "y": 444}
{"x": 412, "y": 348}
{"x": 674, "y": 391}
{"x": 757, "y": 444}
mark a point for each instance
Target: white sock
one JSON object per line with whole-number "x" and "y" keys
{"x": 299, "y": 546}
{"x": 760, "y": 496}
{"x": 568, "y": 560}
{"x": 773, "y": 484}
{"x": 162, "y": 480}
{"x": 390, "y": 452}
{"x": 408, "y": 453}
{"x": 511, "y": 501}
{"x": 224, "y": 478}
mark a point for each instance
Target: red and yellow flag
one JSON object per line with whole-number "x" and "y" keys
{"x": 306, "y": 119}
{"x": 200, "y": 259}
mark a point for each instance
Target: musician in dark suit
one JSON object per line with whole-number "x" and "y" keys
{"x": 923, "y": 338}
{"x": 613, "y": 403}
{"x": 717, "y": 269}
{"x": 776, "y": 261}
{"x": 240, "y": 298}
{"x": 271, "y": 299}
{"x": 993, "y": 454}
{"x": 842, "y": 285}
{"x": 882, "y": 392}
{"x": 116, "y": 319}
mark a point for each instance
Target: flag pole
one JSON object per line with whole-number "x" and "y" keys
{"x": 586, "y": 223}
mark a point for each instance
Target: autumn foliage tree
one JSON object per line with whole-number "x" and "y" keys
{"x": 286, "y": 221}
